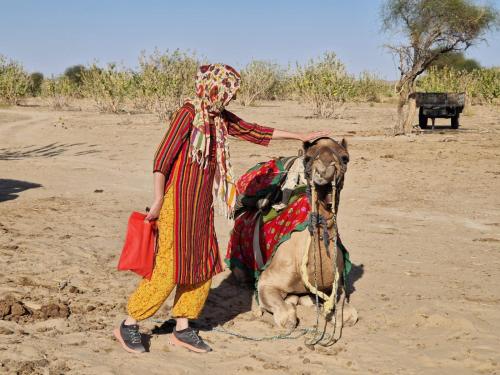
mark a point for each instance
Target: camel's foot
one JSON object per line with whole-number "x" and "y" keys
{"x": 286, "y": 318}
{"x": 306, "y": 300}
{"x": 350, "y": 315}
{"x": 257, "y": 311}
{"x": 292, "y": 299}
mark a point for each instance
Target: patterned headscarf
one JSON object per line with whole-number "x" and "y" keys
{"x": 216, "y": 85}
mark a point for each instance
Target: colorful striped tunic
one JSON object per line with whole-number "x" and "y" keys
{"x": 196, "y": 250}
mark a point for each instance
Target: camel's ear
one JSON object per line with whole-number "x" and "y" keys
{"x": 343, "y": 143}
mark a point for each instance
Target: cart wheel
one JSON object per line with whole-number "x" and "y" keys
{"x": 454, "y": 122}
{"x": 422, "y": 121}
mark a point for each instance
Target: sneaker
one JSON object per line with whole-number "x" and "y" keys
{"x": 130, "y": 338}
{"x": 189, "y": 339}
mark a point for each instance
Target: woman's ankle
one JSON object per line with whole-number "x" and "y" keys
{"x": 130, "y": 321}
{"x": 181, "y": 323}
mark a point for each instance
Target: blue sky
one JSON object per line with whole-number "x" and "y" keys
{"x": 50, "y": 35}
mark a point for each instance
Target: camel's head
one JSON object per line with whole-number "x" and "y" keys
{"x": 326, "y": 160}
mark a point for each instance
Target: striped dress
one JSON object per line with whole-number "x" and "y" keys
{"x": 197, "y": 256}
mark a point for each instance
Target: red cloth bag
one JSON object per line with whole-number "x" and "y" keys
{"x": 138, "y": 253}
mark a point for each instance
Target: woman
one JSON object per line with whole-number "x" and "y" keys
{"x": 191, "y": 168}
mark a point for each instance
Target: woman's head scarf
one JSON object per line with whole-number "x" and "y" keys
{"x": 216, "y": 85}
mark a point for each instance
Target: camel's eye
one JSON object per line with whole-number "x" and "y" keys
{"x": 345, "y": 159}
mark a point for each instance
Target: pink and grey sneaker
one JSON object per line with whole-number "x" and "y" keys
{"x": 130, "y": 338}
{"x": 189, "y": 339}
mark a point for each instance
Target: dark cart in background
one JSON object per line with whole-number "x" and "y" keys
{"x": 439, "y": 105}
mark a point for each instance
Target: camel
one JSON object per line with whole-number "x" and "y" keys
{"x": 280, "y": 286}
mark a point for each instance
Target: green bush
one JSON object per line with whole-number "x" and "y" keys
{"x": 480, "y": 85}
{"x": 109, "y": 87}
{"x": 260, "y": 80}
{"x": 15, "y": 83}
{"x": 370, "y": 88}
{"x": 325, "y": 84}
{"x": 59, "y": 91}
{"x": 164, "y": 81}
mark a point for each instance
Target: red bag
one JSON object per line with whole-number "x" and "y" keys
{"x": 138, "y": 253}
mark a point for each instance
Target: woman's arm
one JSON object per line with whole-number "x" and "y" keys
{"x": 165, "y": 155}
{"x": 304, "y": 137}
{"x": 159, "y": 187}
{"x": 175, "y": 136}
{"x": 263, "y": 134}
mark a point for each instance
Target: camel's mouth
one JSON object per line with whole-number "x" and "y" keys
{"x": 327, "y": 175}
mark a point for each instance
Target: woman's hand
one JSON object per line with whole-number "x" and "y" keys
{"x": 154, "y": 211}
{"x": 304, "y": 137}
{"x": 313, "y": 135}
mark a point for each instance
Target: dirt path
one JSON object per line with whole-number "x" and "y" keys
{"x": 420, "y": 216}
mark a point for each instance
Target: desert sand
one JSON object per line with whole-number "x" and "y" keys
{"x": 420, "y": 215}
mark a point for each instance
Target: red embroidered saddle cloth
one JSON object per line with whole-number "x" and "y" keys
{"x": 255, "y": 236}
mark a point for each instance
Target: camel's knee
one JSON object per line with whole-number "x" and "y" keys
{"x": 285, "y": 316}
{"x": 269, "y": 297}
{"x": 292, "y": 299}
{"x": 273, "y": 300}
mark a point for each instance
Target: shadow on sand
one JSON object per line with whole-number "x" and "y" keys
{"x": 231, "y": 298}
{"x": 10, "y": 189}
{"x": 50, "y": 150}
{"x": 224, "y": 303}
{"x": 357, "y": 271}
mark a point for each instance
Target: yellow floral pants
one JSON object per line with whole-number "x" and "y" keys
{"x": 151, "y": 294}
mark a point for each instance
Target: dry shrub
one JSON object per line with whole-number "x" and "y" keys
{"x": 164, "y": 81}
{"x": 109, "y": 87}
{"x": 15, "y": 83}
{"x": 260, "y": 80}
{"x": 325, "y": 84}
{"x": 60, "y": 91}
{"x": 370, "y": 88}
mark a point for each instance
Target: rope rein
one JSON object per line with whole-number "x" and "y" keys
{"x": 329, "y": 304}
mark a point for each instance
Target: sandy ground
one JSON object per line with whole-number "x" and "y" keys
{"x": 419, "y": 214}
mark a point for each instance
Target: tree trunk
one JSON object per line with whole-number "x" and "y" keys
{"x": 406, "y": 108}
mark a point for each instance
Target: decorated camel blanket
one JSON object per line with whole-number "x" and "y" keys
{"x": 256, "y": 235}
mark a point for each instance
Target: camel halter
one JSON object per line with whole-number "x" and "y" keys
{"x": 330, "y": 301}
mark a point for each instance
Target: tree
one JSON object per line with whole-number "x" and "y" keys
{"x": 36, "y": 79}
{"x": 455, "y": 60}
{"x": 74, "y": 73}
{"x": 431, "y": 28}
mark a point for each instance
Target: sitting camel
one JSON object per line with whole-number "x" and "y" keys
{"x": 290, "y": 273}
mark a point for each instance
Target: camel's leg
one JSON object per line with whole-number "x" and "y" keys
{"x": 350, "y": 315}
{"x": 306, "y": 300}
{"x": 292, "y": 299}
{"x": 273, "y": 300}
{"x": 345, "y": 311}
{"x": 256, "y": 309}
